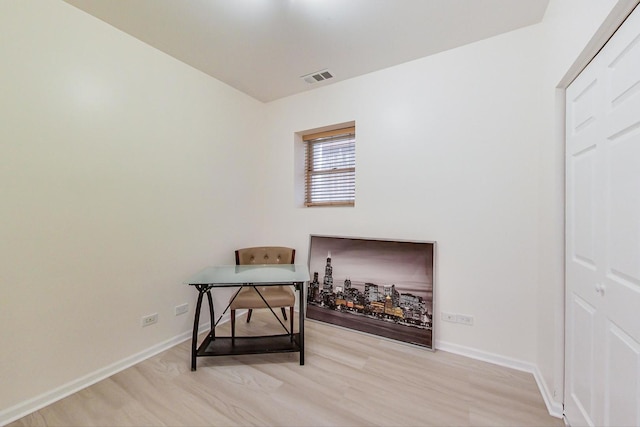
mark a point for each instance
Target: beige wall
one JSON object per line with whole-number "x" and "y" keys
{"x": 119, "y": 170}
{"x": 124, "y": 170}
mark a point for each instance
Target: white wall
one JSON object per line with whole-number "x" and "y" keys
{"x": 121, "y": 174}
{"x": 118, "y": 174}
{"x": 446, "y": 150}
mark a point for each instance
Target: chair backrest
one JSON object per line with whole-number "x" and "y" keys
{"x": 265, "y": 255}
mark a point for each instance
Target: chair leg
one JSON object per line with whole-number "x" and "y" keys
{"x": 291, "y": 321}
{"x": 284, "y": 313}
{"x": 249, "y": 315}
{"x": 233, "y": 326}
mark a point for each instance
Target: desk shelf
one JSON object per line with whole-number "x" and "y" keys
{"x": 223, "y": 346}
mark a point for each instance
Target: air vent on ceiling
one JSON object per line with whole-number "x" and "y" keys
{"x": 318, "y": 76}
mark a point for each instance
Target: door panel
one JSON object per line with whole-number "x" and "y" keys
{"x": 581, "y": 356}
{"x": 623, "y": 65}
{"x": 584, "y": 131}
{"x": 622, "y": 226}
{"x": 582, "y": 212}
{"x": 622, "y": 207}
{"x": 622, "y": 387}
{"x": 583, "y": 105}
{"x": 602, "y": 363}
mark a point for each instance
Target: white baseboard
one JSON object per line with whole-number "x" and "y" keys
{"x": 554, "y": 408}
{"x": 31, "y": 405}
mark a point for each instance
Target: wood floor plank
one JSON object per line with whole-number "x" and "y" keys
{"x": 349, "y": 379}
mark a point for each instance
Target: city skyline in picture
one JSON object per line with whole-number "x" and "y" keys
{"x": 381, "y": 287}
{"x": 408, "y": 265}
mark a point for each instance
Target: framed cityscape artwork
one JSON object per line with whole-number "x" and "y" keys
{"x": 381, "y": 287}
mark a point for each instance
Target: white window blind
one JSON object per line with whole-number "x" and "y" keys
{"x": 330, "y": 168}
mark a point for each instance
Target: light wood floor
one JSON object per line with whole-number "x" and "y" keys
{"x": 349, "y": 379}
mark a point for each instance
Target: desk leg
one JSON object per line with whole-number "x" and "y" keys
{"x": 301, "y": 320}
{"x": 194, "y": 338}
{"x": 211, "y": 315}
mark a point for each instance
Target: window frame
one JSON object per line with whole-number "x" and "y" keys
{"x": 345, "y": 166}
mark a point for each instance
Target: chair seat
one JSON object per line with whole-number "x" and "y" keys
{"x": 278, "y": 296}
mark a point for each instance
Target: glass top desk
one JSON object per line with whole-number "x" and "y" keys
{"x": 240, "y": 276}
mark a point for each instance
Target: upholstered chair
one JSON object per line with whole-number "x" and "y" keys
{"x": 280, "y": 296}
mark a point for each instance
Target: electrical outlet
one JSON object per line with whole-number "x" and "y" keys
{"x": 150, "y": 319}
{"x": 448, "y": 317}
{"x": 182, "y": 309}
{"x": 464, "y": 319}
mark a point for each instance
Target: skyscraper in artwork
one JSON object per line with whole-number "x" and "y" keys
{"x": 327, "y": 282}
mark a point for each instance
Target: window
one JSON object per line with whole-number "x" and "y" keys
{"x": 330, "y": 168}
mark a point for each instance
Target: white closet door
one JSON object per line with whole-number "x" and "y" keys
{"x": 602, "y": 362}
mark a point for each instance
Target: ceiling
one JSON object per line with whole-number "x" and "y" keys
{"x": 264, "y": 47}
